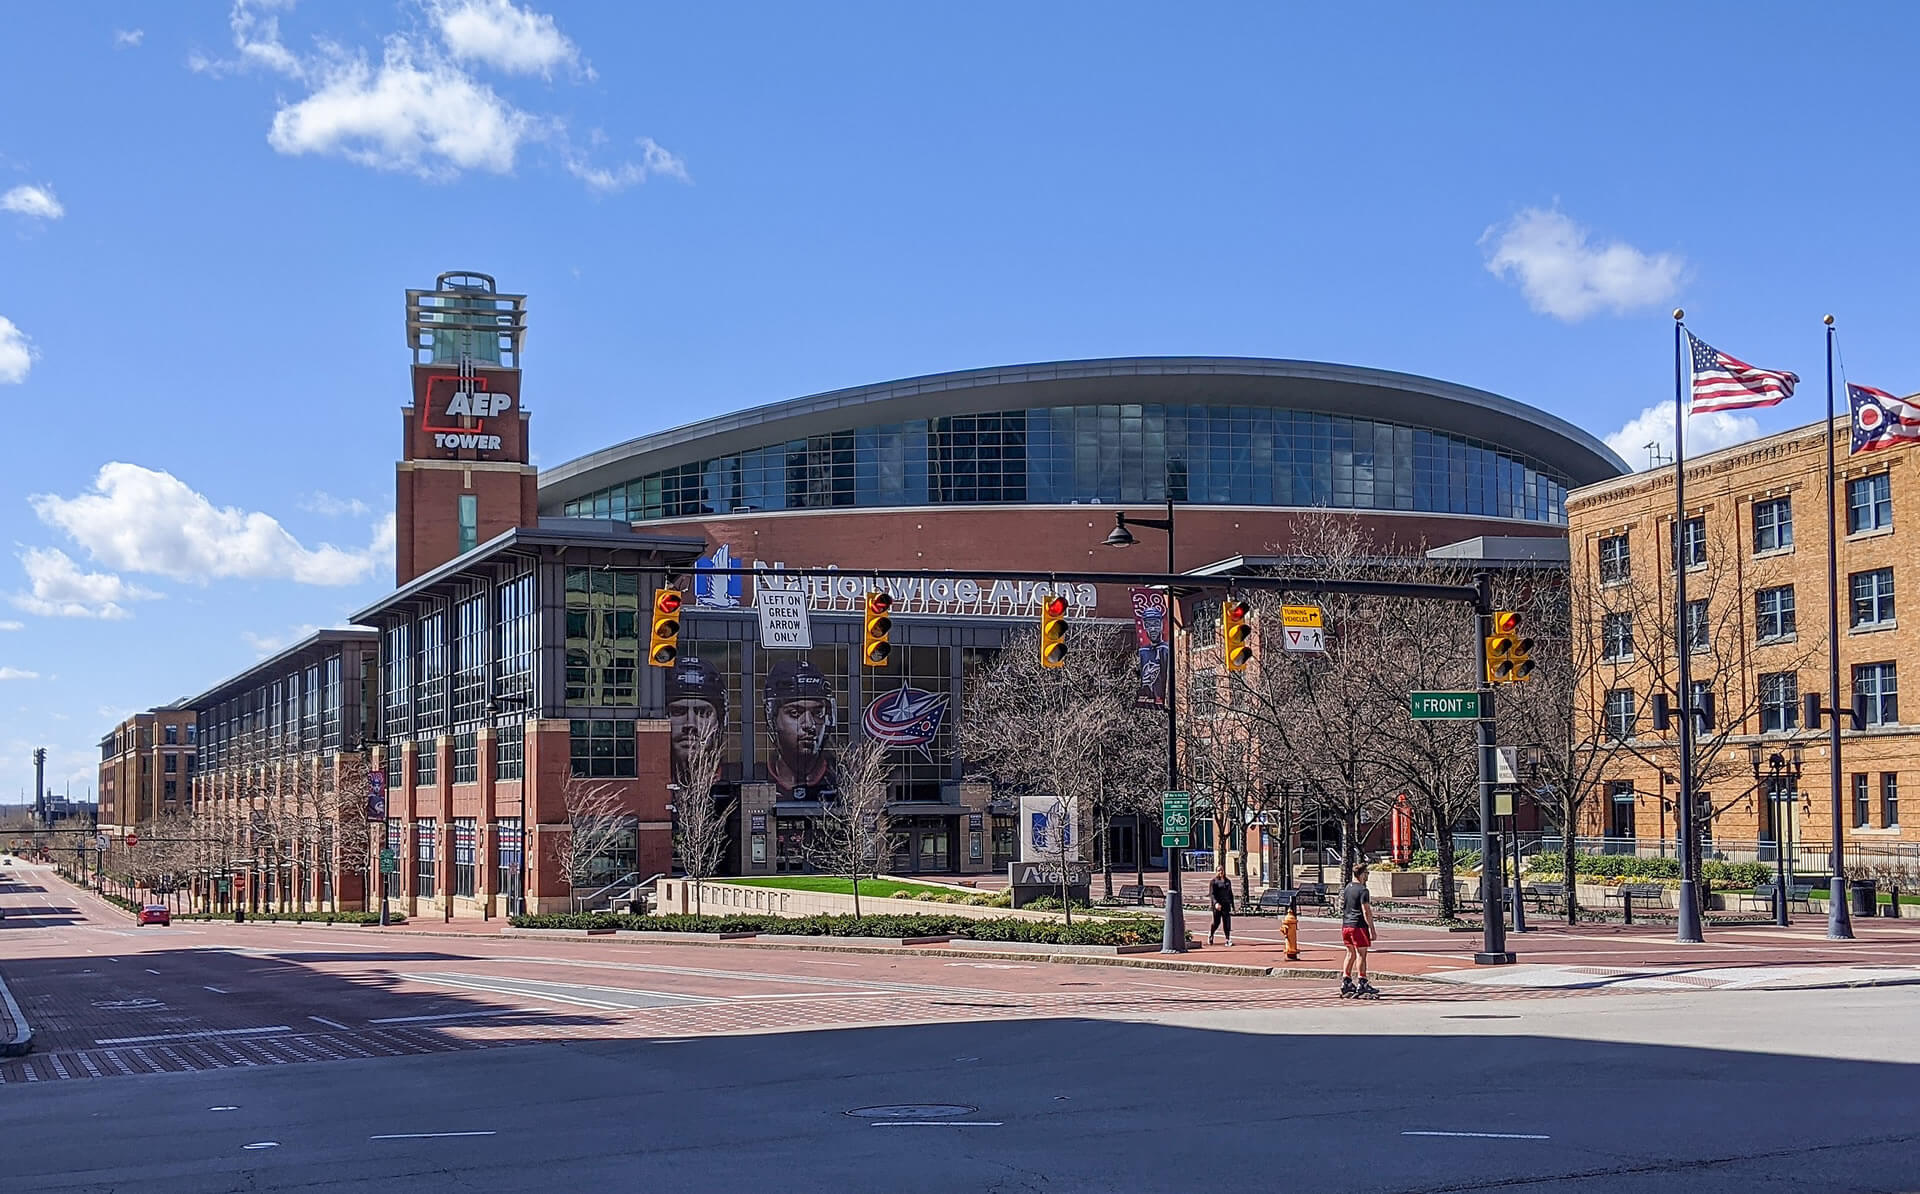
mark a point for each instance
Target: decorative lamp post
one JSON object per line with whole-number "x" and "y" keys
{"x": 1174, "y": 938}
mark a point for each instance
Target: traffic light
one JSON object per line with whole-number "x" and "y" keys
{"x": 1053, "y": 632}
{"x": 879, "y": 625}
{"x": 1509, "y": 653}
{"x": 665, "y": 647}
{"x": 1236, "y": 634}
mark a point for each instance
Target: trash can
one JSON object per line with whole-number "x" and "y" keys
{"x": 1866, "y": 897}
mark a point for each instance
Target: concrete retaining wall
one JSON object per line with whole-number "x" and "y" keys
{"x": 733, "y": 899}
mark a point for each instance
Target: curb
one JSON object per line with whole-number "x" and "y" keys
{"x": 22, "y": 1041}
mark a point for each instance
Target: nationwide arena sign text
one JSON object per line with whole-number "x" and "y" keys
{"x": 911, "y": 594}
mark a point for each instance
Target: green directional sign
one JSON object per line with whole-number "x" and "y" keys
{"x": 1450, "y": 706}
{"x": 389, "y": 863}
{"x": 1176, "y": 820}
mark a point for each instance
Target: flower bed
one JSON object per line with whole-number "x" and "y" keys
{"x": 1107, "y": 931}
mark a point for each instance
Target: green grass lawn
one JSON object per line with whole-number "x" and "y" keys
{"x": 833, "y": 885}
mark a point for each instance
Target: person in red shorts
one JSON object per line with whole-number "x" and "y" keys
{"x": 1356, "y": 932}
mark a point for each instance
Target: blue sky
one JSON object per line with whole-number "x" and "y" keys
{"x": 208, "y": 215}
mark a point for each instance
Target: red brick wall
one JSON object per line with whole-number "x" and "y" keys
{"x": 1052, "y": 537}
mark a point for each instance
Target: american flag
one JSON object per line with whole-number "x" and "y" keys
{"x": 1880, "y": 420}
{"x": 1721, "y": 382}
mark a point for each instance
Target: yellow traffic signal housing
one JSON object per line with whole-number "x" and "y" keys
{"x": 1053, "y": 632}
{"x": 879, "y": 626}
{"x": 665, "y": 647}
{"x": 1236, "y": 634}
{"x": 1509, "y": 651}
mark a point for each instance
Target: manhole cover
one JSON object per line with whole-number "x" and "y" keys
{"x": 913, "y": 1111}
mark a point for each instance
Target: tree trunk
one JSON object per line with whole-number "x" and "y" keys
{"x": 1443, "y": 848}
{"x": 1569, "y": 808}
{"x": 1106, "y": 851}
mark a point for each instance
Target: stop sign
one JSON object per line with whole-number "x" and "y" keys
{"x": 133, "y": 839}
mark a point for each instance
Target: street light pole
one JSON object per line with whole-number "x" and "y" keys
{"x": 1174, "y": 937}
{"x": 1839, "y": 922}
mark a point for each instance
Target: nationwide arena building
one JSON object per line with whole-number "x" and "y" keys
{"x": 513, "y": 653}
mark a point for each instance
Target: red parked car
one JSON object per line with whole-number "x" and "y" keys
{"x": 155, "y": 914}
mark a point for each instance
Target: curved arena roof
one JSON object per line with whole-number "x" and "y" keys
{"x": 1208, "y": 381}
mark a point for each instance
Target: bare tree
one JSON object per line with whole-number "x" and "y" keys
{"x": 1072, "y": 732}
{"x": 594, "y": 826}
{"x": 853, "y": 833}
{"x": 702, "y": 820}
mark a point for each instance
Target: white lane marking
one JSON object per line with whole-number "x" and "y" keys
{"x": 937, "y": 1123}
{"x": 505, "y": 1011}
{"x": 336, "y": 944}
{"x": 193, "y": 1036}
{"x": 1484, "y": 1135}
{"x": 227, "y": 1108}
{"x": 818, "y": 962}
{"x": 151, "y": 970}
{"x": 215, "y": 990}
{"x": 330, "y": 1023}
{"x": 262, "y": 1144}
{"x": 427, "y": 1135}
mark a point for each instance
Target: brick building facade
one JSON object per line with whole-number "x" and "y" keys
{"x": 1755, "y": 549}
{"x": 147, "y": 765}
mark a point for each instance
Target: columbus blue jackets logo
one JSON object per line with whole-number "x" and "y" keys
{"x": 906, "y": 717}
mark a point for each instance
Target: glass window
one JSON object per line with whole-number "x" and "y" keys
{"x": 1877, "y": 683}
{"x": 1773, "y": 524}
{"x": 426, "y": 763}
{"x": 466, "y": 757}
{"x": 1622, "y": 799}
{"x": 430, "y": 672}
{"x": 469, "y": 522}
{"x": 1889, "y": 800}
{"x": 1616, "y": 636}
{"x": 172, "y": 764}
{"x": 1691, "y": 544}
{"x": 1869, "y": 503}
{"x": 465, "y": 839}
{"x": 1616, "y": 560}
{"x": 173, "y": 735}
{"x": 1773, "y": 613}
{"x": 506, "y": 838}
{"x": 603, "y": 750}
{"x": 603, "y": 637}
{"x": 618, "y": 857}
{"x": 1621, "y": 713}
{"x": 1872, "y": 594}
{"x": 426, "y": 847}
{"x": 510, "y": 751}
{"x": 1779, "y": 702}
{"x": 1861, "y": 801}
{"x": 1699, "y": 631}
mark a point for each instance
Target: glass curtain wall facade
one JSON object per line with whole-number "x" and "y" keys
{"x": 1219, "y": 455}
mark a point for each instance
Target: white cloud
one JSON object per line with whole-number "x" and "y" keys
{"x": 15, "y": 673}
{"x": 16, "y": 353}
{"x": 37, "y": 202}
{"x": 59, "y": 589}
{"x": 267, "y": 644}
{"x": 12, "y": 625}
{"x": 1566, "y": 274}
{"x": 144, "y": 520}
{"x": 417, "y": 106}
{"x": 427, "y": 118}
{"x": 124, "y": 39}
{"x": 1705, "y": 433}
{"x": 516, "y": 40}
{"x": 654, "y": 159}
{"x": 324, "y": 503}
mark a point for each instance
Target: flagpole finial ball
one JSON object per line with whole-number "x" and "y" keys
{"x": 1827, "y": 319}
{"x": 1678, "y": 314}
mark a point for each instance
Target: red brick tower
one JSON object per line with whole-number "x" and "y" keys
{"x": 463, "y": 475}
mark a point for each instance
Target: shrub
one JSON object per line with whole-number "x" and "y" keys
{"x": 902, "y": 894}
{"x": 1115, "y": 931}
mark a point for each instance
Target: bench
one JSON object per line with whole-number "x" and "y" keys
{"x": 1625, "y": 895}
{"x": 1137, "y": 893}
{"x": 1545, "y": 895}
{"x": 1310, "y": 893}
{"x": 1765, "y": 894}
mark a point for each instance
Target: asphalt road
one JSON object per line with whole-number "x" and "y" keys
{"x": 691, "y": 1069}
{"x": 1333, "y": 1099}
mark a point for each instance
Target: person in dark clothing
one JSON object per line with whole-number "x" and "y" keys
{"x": 1356, "y": 933}
{"x": 1221, "y": 889}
